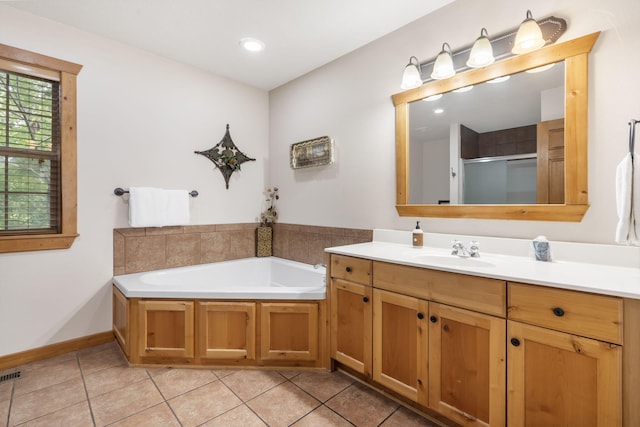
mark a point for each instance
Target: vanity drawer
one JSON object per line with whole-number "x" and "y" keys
{"x": 589, "y": 315}
{"x": 352, "y": 269}
{"x": 471, "y": 292}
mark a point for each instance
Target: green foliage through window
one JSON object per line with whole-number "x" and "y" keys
{"x": 29, "y": 154}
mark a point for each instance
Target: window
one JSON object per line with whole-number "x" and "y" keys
{"x": 37, "y": 151}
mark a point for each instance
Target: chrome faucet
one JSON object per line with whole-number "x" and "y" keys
{"x": 458, "y": 249}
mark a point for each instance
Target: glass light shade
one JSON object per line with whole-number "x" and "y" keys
{"x": 528, "y": 37}
{"x": 482, "y": 52}
{"x": 411, "y": 76}
{"x": 443, "y": 67}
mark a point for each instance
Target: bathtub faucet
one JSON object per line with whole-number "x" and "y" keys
{"x": 317, "y": 266}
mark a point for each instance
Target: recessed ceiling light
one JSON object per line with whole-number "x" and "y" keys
{"x": 540, "y": 69}
{"x": 499, "y": 79}
{"x": 438, "y": 111}
{"x": 251, "y": 44}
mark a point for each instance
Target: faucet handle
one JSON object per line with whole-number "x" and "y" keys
{"x": 474, "y": 248}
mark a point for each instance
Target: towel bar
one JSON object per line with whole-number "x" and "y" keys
{"x": 632, "y": 135}
{"x": 119, "y": 192}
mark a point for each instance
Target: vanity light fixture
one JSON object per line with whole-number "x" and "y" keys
{"x": 529, "y": 36}
{"x": 482, "y": 52}
{"x": 411, "y": 76}
{"x": 251, "y": 44}
{"x": 443, "y": 67}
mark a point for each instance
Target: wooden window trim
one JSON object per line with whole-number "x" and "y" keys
{"x": 66, "y": 72}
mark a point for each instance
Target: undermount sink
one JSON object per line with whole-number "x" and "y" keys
{"x": 454, "y": 261}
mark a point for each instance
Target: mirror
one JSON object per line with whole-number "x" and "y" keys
{"x": 543, "y": 156}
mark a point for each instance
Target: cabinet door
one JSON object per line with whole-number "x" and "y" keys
{"x": 467, "y": 366}
{"x": 227, "y": 330}
{"x": 165, "y": 329}
{"x": 289, "y": 331}
{"x": 351, "y": 325}
{"x": 400, "y": 340}
{"x": 559, "y": 379}
{"x": 121, "y": 320}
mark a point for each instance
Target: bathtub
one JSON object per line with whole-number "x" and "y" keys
{"x": 268, "y": 278}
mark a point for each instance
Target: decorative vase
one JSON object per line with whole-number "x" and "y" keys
{"x": 264, "y": 241}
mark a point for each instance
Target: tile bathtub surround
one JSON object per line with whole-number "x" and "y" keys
{"x": 306, "y": 243}
{"x": 96, "y": 387}
{"x": 146, "y": 249}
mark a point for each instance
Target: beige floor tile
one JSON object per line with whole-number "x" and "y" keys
{"x": 4, "y": 412}
{"x": 46, "y": 375}
{"x": 221, "y": 373}
{"x": 240, "y": 416}
{"x": 324, "y": 417}
{"x": 289, "y": 374}
{"x": 106, "y": 380}
{"x": 98, "y": 348}
{"x": 159, "y": 415}
{"x": 123, "y": 402}
{"x": 249, "y": 384}
{"x": 404, "y": 417}
{"x": 46, "y": 400}
{"x": 362, "y": 406}
{"x": 174, "y": 382}
{"x": 283, "y": 405}
{"x": 77, "y": 415}
{"x": 52, "y": 361}
{"x": 322, "y": 385}
{"x": 110, "y": 356}
{"x": 203, "y": 404}
{"x": 5, "y": 390}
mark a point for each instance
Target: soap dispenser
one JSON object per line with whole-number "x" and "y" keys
{"x": 418, "y": 236}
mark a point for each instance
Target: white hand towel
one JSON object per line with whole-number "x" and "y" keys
{"x": 146, "y": 206}
{"x": 628, "y": 201}
{"x": 176, "y": 211}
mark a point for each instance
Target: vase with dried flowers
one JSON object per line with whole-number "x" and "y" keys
{"x": 264, "y": 233}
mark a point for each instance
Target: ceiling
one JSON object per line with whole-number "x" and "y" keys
{"x": 300, "y": 35}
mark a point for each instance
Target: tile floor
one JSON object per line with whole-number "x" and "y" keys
{"x": 96, "y": 387}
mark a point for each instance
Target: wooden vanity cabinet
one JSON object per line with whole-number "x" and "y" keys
{"x": 467, "y": 365}
{"x": 351, "y": 301}
{"x": 227, "y": 330}
{"x": 564, "y": 357}
{"x": 400, "y": 344}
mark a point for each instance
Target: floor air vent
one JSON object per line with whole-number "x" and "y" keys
{"x": 10, "y": 376}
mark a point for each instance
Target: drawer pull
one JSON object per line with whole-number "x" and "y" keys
{"x": 433, "y": 319}
{"x": 365, "y": 299}
{"x": 348, "y": 269}
{"x": 420, "y": 316}
{"x": 558, "y": 311}
{"x": 515, "y": 342}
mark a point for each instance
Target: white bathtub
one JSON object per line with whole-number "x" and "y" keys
{"x": 249, "y": 278}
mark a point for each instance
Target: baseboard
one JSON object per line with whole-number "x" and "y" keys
{"x": 40, "y": 353}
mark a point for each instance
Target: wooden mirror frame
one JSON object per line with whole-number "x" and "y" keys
{"x": 575, "y": 54}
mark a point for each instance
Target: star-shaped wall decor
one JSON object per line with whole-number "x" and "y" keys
{"x": 226, "y": 156}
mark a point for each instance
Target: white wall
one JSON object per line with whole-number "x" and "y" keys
{"x": 140, "y": 118}
{"x": 349, "y": 100}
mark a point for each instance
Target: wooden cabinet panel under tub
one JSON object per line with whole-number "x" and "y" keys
{"x": 233, "y": 333}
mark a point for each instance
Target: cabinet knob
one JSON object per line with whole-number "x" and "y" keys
{"x": 433, "y": 319}
{"x": 348, "y": 269}
{"x": 420, "y": 316}
{"x": 515, "y": 342}
{"x": 558, "y": 311}
{"x": 365, "y": 299}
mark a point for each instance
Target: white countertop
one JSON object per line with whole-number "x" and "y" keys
{"x": 587, "y": 277}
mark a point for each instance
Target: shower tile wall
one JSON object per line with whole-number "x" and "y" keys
{"x": 145, "y": 249}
